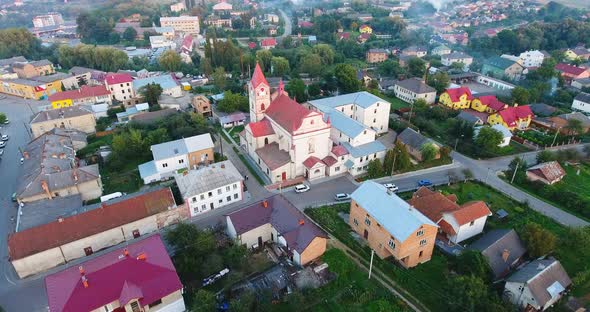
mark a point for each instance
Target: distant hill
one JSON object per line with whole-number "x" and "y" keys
{"x": 584, "y": 4}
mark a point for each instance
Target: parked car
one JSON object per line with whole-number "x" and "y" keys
{"x": 392, "y": 187}
{"x": 5, "y": 137}
{"x": 7, "y": 122}
{"x": 302, "y": 188}
{"x": 13, "y": 197}
{"x": 2, "y": 143}
{"x": 424, "y": 182}
{"x": 342, "y": 196}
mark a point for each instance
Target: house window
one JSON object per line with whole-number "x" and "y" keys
{"x": 471, "y": 223}
{"x": 135, "y": 306}
{"x": 194, "y": 199}
{"x": 420, "y": 254}
{"x": 203, "y": 207}
{"x": 155, "y": 303}
{"x": 420, "y": 233}
{"x": 423, "y": 242}
{"x": 202, "y": 196}
{"x": 227, "y": 188}
{"x": 218, "y": 191}
{"x": 136, "y": 233}
{"x": 108, "y": 308}
{"x": 355, "y": 221}
{"x": 210, "y": 194}
{"x": 235, "y": 186}
{"x": 236, "y": 196}
{"x": 337, "y": 169}
{"x": 367, "y": 221}
{"x": 391, "y": 243}
{"x": 180, "y": 161}
{"x": 228, "y": 198}
{"x": 164, "y": 165}
{"x": 221, "y": 201}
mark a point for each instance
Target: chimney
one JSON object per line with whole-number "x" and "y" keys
{"x": 84, "y": 281}
{"x": 60, "y": 220}
{"x": 45, "y": 188}
{"x": 515, "y": 104}
{"x": 26, "y": 155}
{"x": 126, "y": 252}
{"x": 265, "y": 204}
{"x": 505, "y": 106}
{"x": 505, "y": 255}
{"x": 81, "y": 269}
{"x": 301, "y": 222}
{"x": 142, "y": 256}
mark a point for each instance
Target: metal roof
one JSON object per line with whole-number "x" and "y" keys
{"x": 166, "y": 82}
{"x": 363, "y": 99}
{"x": 343, "y": 123}
{"x": 195, "y": 182}
{"x": 181, "y": 146}
{"x": 364, "y": 149}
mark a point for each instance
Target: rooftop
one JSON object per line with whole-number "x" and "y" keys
{"x": 494, "y": 243}
{"x": 51, "y": 78}
{"x": 550, "y": 171}
{"x": 546, "y": 279}
{"x": 182, "y": 146}
{"x": 363, "y": 99}
{"x": 414, "y": 139}
{"x": 415, "y": 85}
{"x": 165, "y": 81}
{"x": 83, "y": 92}
{"x": 211, "y": 177}
{"x": 61, "y": 113}
{"x": 365, "y": 149}
{"x": 273, "y": 156}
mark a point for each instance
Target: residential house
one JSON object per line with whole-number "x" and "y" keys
{"x": 88, "y": 76}
{"x": 210, "y": 187}
{"x": 304, "y": 24}
{"x": 441, "y": 50}
{"x": 582, "y": 102}
{"x": 571, "y": 73}
{"x": 77, "y": 118}
{"x": 457, "y": 98}
{"x": 456, "y": 57}
{"x": 391, "y": 226}
{"x": 271, "y": 18}
{"x": 202, "y": 105}
{"x": 232, "y": 120}
{"x": 139, "y": 277}
{"x": 365, "y": 29}
{"x": 169, "y": 85}
{"x": 157, "y": 42}
{"x": 50, "y": 169}
{"x": 560, "y": 123}
{"x": 132, "y": 112}
{"x": 168, "y": 32}
{"x": 343, "y": 36}
{"x": 501, "y": 67}
{"x": 169, "y": 157}
{"x": 506, "y": 134}
{"x": 268, "y": 43}
{"x": 148, "y": 118}
{"x": 100, "y": 226}
{"x": 29, "y": 89}
{"x": 415, "y": 142}
{"x": 503, "y": 250}
{"x": 26, "y": 70}
{"x": 514, "y": 117}
{"x": 487, "y": 104}
{"x": 275, "y": 220}
{"x": 542, "y": 109}
{"x": 376, "y": 55}
{"x": 579, "y": 52}
{"x": 222, "y": 8}
{"x": 409, "y": 90}
{"x": 178, "y": 7}
{"x": 538, "y": 285}
{"x": 548, "y": 172}
{"x": 363, "y": 37}
{"x": 581, "y": 84}
{"x": 533, "y": 58}
{"x": 456, "y": 222}
{"x": 86, "y": 95}
{"x": 219, "y": 22}
{"x": 471, "y": 118}
{"x": 416, "y": 51}
{"x": 185, "y": 24}
{"x": 120, "y": 86}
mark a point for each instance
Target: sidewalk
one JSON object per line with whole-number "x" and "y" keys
{"x": 452, "y": 165}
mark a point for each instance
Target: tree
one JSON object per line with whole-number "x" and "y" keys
{"x": 204, "y": 301}
{"x": 3, "y": 118}
{"x": 471, "y": 262}
{"x": 314, "y": 90}
{"x": 467, "y": 293}
{"x": 15, "y": 42}
{"x": 390, "y": 68}
{"x": 538, "y": 240}
{"x": 545, "y": 156}
{"x": 346, "y": 78}
{"x": 325, "y": 52}
{"x": 264, "y": 58}
{"x": 402, "y": 161}
{"x": 280, "y": 66}
{"x": 520, "y": 95}
{"x": 296, "y": 89}
{"x": 151, "y": 93}
{"x": 219, "y": 78}
{"x": 192, "y": 246}
{"x": 428, "y": 151}
{"x": 311, "y": 64}
{"x": 488, "y": 138}
{"x": 233, "y": 102}
{"x": 170, "y": 61}
{"x": 440, "y": 81}
{"x": 130, "y": 34}
{"x": 416, "y": 67}
{"x": 375, "y": 169}
{"x": 574, "y": 126}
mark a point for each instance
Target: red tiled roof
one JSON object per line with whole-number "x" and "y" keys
{"x": 492, "y": 102}
{"x": 305, "y": 24}
{"x": 344, "y": 35}
{"x": 339, "y": 150}
{"x": 365, "y": 36}
{"x": 471, "y": 211}
{"x": 258, "y": 77}
{"x": 311, "y": 161}
{"x": 329, "y": 161}
{"x": 456, "y": 93}
{"x": 268, "y": 42}
{"x": 83, "y": 92}
{"x": 114, "y": 78}
{"x": 550, "y": 171}
{"x": 51, "y": 235}
{"x": 252, "y": 45}
{"x": 287, "y": 113}
{"x": 261, "y": 128}
{"x": 511, "y": 114}
{"x": 113, "y": 277}
{"x": 569, "y": 69}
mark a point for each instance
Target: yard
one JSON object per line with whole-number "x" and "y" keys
{"x": 235, "y": 133}
{"x": 395, "y": 102}
{"x": 428, "y": 281}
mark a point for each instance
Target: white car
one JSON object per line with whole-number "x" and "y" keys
{"x": 342, "y": 196}
{"x": 5, "y": 137}
{"x": 2, "y": 143}
{"x": 392, "y": 187}
{"x": 301, "y": 188}
{"x": 1, "y": 152}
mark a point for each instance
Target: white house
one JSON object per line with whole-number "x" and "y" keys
{"x": 410, "y": 90}
{"x": 169, "y": 157}
{"x": 456, "y": 57}
{"x": 533, "y": 58}
{"x": 538, "y": 285}
{"x": 120, "y": 86}
{"x": 210, "y": 187}
{"x": 582, "y": 102}
{"x": 157, "y": 42}
{"x": 456, "y": 222}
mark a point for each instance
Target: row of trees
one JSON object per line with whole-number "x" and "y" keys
{"x": 102, "y": 58}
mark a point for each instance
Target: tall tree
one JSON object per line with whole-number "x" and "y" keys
{"x": 520, "y": 95}
{"x": 428, "y": 151}
{"x": 129, "y": 34}
{"x": 280, "y": 66}
{"x": 325, "y": 52}
{"x": 311, "y": 64}
{"x": 264, "y": 58}
{"x": 170, "y": 61}
{"x": 574, "y": 126}
{"x": 375, "y": 169}
{"x": 219, "y": 78}
{"x": 538, "y": 240}
{"x": 440, "y": 81}
{"x": 17, "y": 42}
{"x": 416, "y": 67}
{"x": 488, "y": 138}
{"x": 296, "y": 89}
{"x": 346, "y": 78}
{"x": 151, "y": 93}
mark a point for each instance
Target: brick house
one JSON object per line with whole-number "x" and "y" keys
{"x": 376, "y": 55}
{"x": 391, "y": 226}
{"x": 202, "y": 105}
{"x": 570, "y": 73}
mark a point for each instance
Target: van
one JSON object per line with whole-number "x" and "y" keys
{"x": 110, "y": 196}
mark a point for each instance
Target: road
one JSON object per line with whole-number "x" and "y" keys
{"x": 13, "y": 292}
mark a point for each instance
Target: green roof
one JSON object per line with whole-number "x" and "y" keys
{"x": 499, "y": 62}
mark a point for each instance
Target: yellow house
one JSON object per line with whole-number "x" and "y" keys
{"x": 516, "y": 117}
{"x": 29, "y": 89}
{"x": 62, "y": 103}
{"x": 570, "y": 54}
{"x": 459, "y": 98}
{"x": 365, "y": 29}
{"x": 487, "y": 103}
{"x": 84, "y": 95}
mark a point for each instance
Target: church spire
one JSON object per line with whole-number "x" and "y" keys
{"x": 258, "y": 77}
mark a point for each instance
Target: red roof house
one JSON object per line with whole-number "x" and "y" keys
{"x": 456, "y": 93}
{"x": 252, "y": 45}
{"x": 261, "y": 128}
{"x": 344, "y": 36}
{"x": 458, "y": 222}
{"x": 82, "y": 93}
{"x": 305, "y": 24}
{"x": 268, "y": 43}
{"x": 488, "y": 101}
{"x": 137, "y": 276}
{"x": 548, "y": 172}
{"x": 117, "y": 78}
{"x": 569, "y": 72}
{"x": 513, "y": 117}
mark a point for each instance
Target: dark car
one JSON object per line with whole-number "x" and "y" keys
{"x": 424, "y": 182}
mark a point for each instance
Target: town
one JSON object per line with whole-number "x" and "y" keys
{"x": 275, "y": 155}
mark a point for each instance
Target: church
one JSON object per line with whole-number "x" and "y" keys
{"x": 316, "y": 139}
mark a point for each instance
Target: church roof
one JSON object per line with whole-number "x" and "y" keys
{"x": 261, "y": 128}
{"x": 286, "y": 112}
{"x": 258, "y": 77}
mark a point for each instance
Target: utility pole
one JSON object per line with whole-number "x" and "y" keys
{"x": 555, "y": 137}
{"x": 487, "y": 175}
{"x": 371, "y": 264}
{"x": 393, "y": 165}
{"x": 410, "y": 117}
{"x": 514, "y": 174}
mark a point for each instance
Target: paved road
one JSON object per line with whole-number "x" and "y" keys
{"x": 13, "y": 292}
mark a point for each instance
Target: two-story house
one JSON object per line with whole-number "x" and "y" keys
{"x": 202, "y": 105}
{"x": 582, "y": 102}
{"x": 120, "y": 86}
{"x": 456, "y": 57}
{"x": 409, "y": 90}
{"x": 457, "y": 98}
{"x": 376, "y": 56}
{"x": 487, "y": 104}
{"x": 77, "y": 118}
{"x": 514, "y": 117}
{"x": 33, "y": 69}
{"x": 86, "y": 95}
{"x": 169, "y": 157}
{"x": 391, "y": 226}
{"x": 138, "y": 277}
{"x": 500, "y": 67}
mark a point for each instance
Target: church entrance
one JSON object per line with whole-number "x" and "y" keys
{"x": 284, "y": 176}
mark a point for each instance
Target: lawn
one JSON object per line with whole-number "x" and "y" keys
{"x": 235, "y": 133}
{"x": 395, "y": 102}
{"x": 125, "y": 180}
{"x": 94, "y": 143}
{"x": 428, "y": 281}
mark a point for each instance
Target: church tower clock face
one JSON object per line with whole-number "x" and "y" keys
{"x": 262, "y": 92}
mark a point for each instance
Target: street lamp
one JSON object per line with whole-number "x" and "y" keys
{"x": 457, "y": 141}
{"x": 394, "y": 158}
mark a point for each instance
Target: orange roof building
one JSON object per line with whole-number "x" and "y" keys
{"x": 456, "y": 222}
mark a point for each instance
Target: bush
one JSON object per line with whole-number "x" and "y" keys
{"x": 538, "y": 240}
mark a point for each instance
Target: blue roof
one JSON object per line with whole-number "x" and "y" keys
{"x": 166, "y": 82}
{"x": 312, "y": 38}
{"x": 363, "y": 99}
{"x": 393, "y": 213}
{"x": 343, "y": 123}
{"x": 147, "y": 169}
{"x": 364, "y": 149}
{"x": 349, "y": 164}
